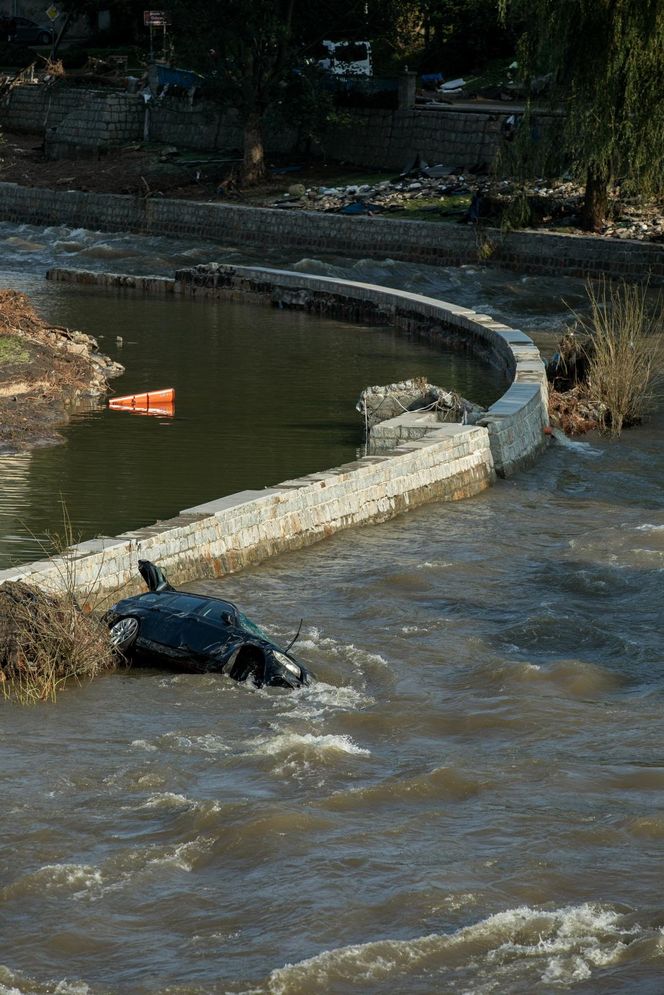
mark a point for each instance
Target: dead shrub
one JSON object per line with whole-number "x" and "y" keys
{"x": 46, "y": 640}
{"x": 626, "y": 360}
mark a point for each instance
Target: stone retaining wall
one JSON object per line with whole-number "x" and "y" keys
{"x": 78, "y": 121}
{"x": 448, "y": 462}
{"x": 314, "y": 232}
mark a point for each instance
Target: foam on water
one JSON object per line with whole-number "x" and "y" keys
{"x": 556, "y": 947}
{"x": 177, "y": 742}
{"x": 320, "y": 700}
{"x": 307, "y": 745}
{"x": 15, "y": 984}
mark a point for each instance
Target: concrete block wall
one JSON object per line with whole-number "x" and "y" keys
{"x": 223, "y": 536}
{"x": 445, "y": 462}
{"x": 376, "y": 138}
{"x": 100, "y": 123}
{"x": 315, "y": 232}
{"x": 390, "y": 139}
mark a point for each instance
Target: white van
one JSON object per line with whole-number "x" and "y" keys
{"x": 345, "y": 58}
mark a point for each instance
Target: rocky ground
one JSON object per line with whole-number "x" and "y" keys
{"x": 44, "y": 370}
{"x": 432, "y": 194}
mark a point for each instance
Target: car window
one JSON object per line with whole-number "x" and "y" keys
{"x": 251, "y": 627}
{"x": 217, "y": 611}
{"x": 183, "y": 603}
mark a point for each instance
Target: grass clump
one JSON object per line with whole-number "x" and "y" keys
{"x": 625, "y": 353}
{"x": 45, "y": 641}
{"x": 12, "y": 352}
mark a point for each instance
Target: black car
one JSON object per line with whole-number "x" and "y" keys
{"x": 27, "y": 32}
{"x": 198, "y": 634}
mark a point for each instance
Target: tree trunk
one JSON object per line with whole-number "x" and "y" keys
{"x": 253, "y": 168}
{"x": 596, "y": 198}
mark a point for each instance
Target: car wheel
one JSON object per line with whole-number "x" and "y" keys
{"x": 44, "y": 38}
{"x": 123, "y": 634}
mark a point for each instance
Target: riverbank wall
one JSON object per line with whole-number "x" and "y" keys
{"x": 439, "y": 461}
{"x": 312, "y": 232}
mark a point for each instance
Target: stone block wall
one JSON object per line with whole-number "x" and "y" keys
{"x": 377, "y": 138}
{"x": 223, "y": 536}
{"x": 312, "y": 232}
{"x": 448, "y": 461}
{"x": 391, "y": 139}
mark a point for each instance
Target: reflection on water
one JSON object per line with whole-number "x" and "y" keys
{"x": 469, "y": 800}
{"x": 262, "y": 396}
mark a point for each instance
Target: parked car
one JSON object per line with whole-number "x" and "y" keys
{"x": 345, "y": 58}
{"x": 198, "y": 634}
{"x": 23, "y": 31}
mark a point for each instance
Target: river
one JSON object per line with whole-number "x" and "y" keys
{"x": 470, "y": 800}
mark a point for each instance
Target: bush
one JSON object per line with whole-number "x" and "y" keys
{"x": 46, "y": 640}
{"x": 625, "y": 359}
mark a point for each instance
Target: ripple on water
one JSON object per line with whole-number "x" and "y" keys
{"x": 439, "y": 784}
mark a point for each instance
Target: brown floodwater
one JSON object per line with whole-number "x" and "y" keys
{"x": 470, "y": 800}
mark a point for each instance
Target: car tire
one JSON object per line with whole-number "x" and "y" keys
{"x": 123, "y": 634}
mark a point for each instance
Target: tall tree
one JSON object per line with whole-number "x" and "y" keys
{"x": 247, "y": 49}
{"x": 606, "y": 60}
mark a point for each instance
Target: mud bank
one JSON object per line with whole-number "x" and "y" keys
{"x": 44, "y": 371}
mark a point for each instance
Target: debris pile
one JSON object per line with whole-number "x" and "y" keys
{"x": 461, "y": 194}
{"x": 46, "y": 640}
{"x": 379, "y": 403}
{"x": 571, "y": 406}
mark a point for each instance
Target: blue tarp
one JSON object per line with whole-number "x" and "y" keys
{"x": 186, "y": 78}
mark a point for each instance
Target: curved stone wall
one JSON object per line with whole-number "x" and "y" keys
{"x": 445, "y": 462}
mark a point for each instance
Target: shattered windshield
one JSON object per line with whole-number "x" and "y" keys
{"x": 249, "y": 626}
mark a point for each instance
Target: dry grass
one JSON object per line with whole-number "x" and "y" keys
{"x": 45, "y": 641}
{"x": 626, "y": 355}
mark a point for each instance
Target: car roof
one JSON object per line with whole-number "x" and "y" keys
{"x": 164, "y": 597}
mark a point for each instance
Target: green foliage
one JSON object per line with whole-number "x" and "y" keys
{"x": 605, "y": 62}
{"x": 12, "y": 352}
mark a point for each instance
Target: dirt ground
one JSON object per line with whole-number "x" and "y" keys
{"x": 150, "y": 169}
{"x": 43, "y": 370}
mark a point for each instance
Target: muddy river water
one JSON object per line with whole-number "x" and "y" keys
{"x": 471, "y": 798}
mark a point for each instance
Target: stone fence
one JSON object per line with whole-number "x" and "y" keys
{"x": 448, "y": 462}
{"x": 78, "y": 121}
{"x": 433, "y": 243}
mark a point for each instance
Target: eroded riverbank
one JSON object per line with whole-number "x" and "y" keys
{"x": 45, "y": 370}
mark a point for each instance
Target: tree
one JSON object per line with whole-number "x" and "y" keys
{"x": 606, "y": 63}
{"x": 250, "y": 52}
{"x": 246, "y": 49}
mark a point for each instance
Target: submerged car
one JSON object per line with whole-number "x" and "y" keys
{"x": 198, "y": 634}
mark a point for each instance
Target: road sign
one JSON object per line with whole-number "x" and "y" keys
{"x": 155, "y": 18}
{"x": 52, "y": 12}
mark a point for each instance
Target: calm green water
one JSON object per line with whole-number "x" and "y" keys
{"x": 262, "y": 395}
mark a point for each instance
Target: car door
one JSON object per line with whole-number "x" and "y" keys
{"x": 202, "y": 644}
{"x": 161, "y": 629}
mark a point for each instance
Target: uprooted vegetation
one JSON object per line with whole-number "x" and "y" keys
{"x": 45, "y": 641}
{"x": 43, "y": 370}
{"x": 610, "y": 366}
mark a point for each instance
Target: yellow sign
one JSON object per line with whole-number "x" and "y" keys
{"x": 52, "y": 12}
